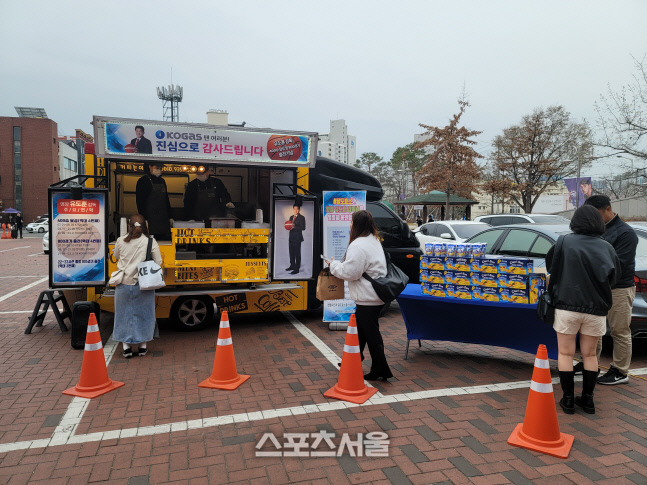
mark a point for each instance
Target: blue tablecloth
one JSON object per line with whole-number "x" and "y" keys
{"x": 510, "y": 325}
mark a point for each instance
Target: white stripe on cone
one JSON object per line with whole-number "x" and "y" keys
{"x": 93, "y": 328}
{"x": 351, "y": 349}
{"x": 351, "y": 330}
{"x": 543, "y": 388}
{"x": 224, "y": 324}
{"x": 224, "y": 341}
{"x": 542, "y": 363}
{"x": 96, "y": 346}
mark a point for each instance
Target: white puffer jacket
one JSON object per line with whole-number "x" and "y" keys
{"x": 364, "y": 254}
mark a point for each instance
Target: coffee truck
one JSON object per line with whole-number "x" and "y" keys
{"x": 233, "y": 262}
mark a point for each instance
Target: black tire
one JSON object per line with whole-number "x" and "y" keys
{"x": 190, "y": 313}
{"x": 40, "y": 229}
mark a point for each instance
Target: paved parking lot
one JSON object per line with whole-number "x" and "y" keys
{"x": 448, "y": 412}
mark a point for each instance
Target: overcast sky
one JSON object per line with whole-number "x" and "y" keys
{"x": 382, "y": 66}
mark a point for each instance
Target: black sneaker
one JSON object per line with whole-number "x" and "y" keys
{"x": 613, "y": 376}
{"x": 578, "y": 368}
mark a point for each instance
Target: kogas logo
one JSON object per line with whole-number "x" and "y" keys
{"x": 175, "y": 135}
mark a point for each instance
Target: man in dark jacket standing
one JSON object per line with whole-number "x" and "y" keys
{"x": 19, "y": 224}
{"x": 295, "y": 239}
{"x": 624, "y": 240}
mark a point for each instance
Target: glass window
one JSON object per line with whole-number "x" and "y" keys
{"x": 467, "y": 230}
{"x": 543, "y": 219}
{"x": 385, "y": 221}
{"x": 16, "y": 132}
{"x": 444, "y": 229}
{"x": 541, "y": 247}
{"x": 488, "y": 237}
{"x": 641, "y": 250}
{"x": 518, "y": 242}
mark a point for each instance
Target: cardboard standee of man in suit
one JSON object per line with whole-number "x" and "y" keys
{"x": 141, "y": 143}
{"x": 298, "y": 223}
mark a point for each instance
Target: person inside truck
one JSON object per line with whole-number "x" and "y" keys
{"x": 206, "y": 196}
{"x": 140, "y": 142}
{"x": 153, "y": 202}
{"x": 296, "y": 225}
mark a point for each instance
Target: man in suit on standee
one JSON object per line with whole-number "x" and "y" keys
{"x": 141, "y": 144}
{"x": 295, "y": 239}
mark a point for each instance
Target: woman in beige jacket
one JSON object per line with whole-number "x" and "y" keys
{"x": 134, "y": 308}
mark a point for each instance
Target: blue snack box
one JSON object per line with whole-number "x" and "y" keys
{"x": 502, "y": 280}
{"x": 515, "y": 265}
{"x": 424, "y": 262}
{"x": 440, "y": 249}
{"x": 478, "y": 250}
{"x": 537, "y": 283}
{"x": 462, "y": 278}
{"x": 424, "y": 276}
{"x": 490, "y": 294}
{"x": 451, "y": 291}
{"x": 489, "y": 280}
{"x": 504, "y": 295}
{"x": 436, "y": 263}
{"x": 489, "y": 265}
{"x": 449, "y": 277}
{"x": 435, "y": 276}
{"x": 476, "y": 292}
{"x": 437, "y": 289}
{"x": 463, "y": 292}
{"x": 518, "y": 296}
{"x": 475, "y": 277}
{"x": 429, "y": 249}
{"x": 461, "y": 250}
{"x": 517, "y": 281}
{"x": 462, "y": 264}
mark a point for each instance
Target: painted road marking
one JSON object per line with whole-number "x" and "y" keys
{"x": 64, "y": 432}
{"x": 13, "y": 249}
{"x": 17, "y": 311}
{"x": 24, "y": 276}
{"x": 35, "y": 254}
{"x": 15, "y": 292}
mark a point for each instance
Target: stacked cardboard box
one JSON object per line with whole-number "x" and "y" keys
{"x": 463, "y": 271}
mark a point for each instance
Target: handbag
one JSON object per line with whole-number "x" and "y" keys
{"x": 546, "y": 301}
{"x": 390, "y": 286}
{"x": 150, "y": 274}
{"x": 116, "y": 277}
{"x": 329, "y": 287}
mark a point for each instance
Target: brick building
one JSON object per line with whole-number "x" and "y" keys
{"x": 28, "y": 164}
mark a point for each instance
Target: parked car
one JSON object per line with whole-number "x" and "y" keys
{"x": 457, "y": 231}
{"x": 503, "y": 219}
{"x": 46, "y": 242}
{"x": 38, "y": 226}
{"x": 534, "y": 241}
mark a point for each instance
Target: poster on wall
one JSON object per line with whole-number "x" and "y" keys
{"x": 293, "y": 239}
{"x": 78, "y": 245}
{"x": 579, "y": 189}
{"x": 338, "y": 209}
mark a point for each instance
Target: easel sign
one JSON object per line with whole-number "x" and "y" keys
{"x": 78, "y": 244}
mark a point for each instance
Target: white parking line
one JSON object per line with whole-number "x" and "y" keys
{"x": 26, "y": 287}
{"x": 35, "y": 254}
{"x": 13, "y": 249}
{"x": 64, "y": 432}
{"x": 25, "y": 276}
{"x": 17, "y": 311}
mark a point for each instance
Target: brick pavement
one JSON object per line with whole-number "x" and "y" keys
{"x": 452, "y": 438}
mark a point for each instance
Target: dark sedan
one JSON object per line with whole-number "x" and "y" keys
{"x": 534, "y": 241}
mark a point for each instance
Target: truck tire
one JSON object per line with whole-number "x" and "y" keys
{"x": 191, "y": 313}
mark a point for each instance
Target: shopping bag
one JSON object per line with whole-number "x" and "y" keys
{"x": 150, "y": 274}
{"x": 329, "y": 287}
{"x": 388, "y": 287}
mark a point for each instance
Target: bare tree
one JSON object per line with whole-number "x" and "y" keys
{"x": 405, "y": 162}
{"x": 451, "y": 163}
{"x": 622, "y": 115}
{"x": 495, "y": 185}
{"x": 541, "y": 150}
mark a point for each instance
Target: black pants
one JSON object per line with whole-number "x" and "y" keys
{"x": 20, "y": 231}
{"x": 295, "y": 254}
{"x": 368, "y": 331}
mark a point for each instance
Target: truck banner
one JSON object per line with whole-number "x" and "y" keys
{"x": 78, "y": 238}
{"x": 184, "y": 142}
{"x": 338, "y": 209}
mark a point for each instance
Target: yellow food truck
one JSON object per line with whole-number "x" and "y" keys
{"x": 224, "y": 260}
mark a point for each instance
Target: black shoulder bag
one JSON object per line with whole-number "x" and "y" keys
{"x": 546, "y": 301}
{"x": 390, "y": 286}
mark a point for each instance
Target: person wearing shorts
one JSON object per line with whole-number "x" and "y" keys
{"x": 583, "y": 268}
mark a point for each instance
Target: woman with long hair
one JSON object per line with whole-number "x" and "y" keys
{"x": 365, "y": 255}
{"x": 582, "y": 272}
{"x": 134, "y": 308}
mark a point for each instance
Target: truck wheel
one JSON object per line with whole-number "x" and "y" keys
{"x": 192, "y": 312}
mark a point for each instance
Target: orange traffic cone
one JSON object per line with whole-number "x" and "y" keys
{"x": 540, "y": 429}
{"x": 94, "y": 379}
{"x": 224, "y": 374}
{"x": 350, "y": 386}
{"x": 4, "y": 232}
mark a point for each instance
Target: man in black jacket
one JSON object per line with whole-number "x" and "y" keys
{"x": 295, "y": 239}
{"x": 624, "y": 240}
{"x": 140, "y": 142}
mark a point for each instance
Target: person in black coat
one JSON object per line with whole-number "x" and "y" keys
{"x": 19, "y": 224}
{"x": 206, "y": 197}
{"x": 295, "y": 239}
{"x": 153, "y": 202}
{"x": 583, "y": 268}
{"x": 141, "y": 143}
{"x": 625, "y": 241}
